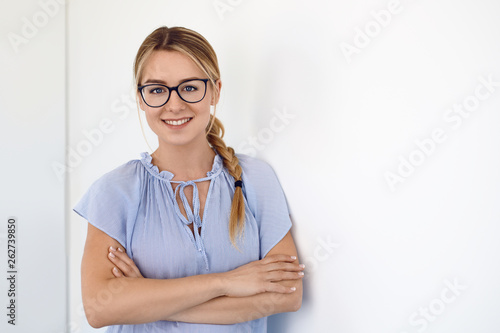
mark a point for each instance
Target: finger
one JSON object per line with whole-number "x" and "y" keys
{"x": 278, "y": 257}
{"x": 278, "y": 288}
{"x": 117, "y": 272}
{"x": 125, "y": 259}
{"x": 112, "y": 249}
{"x": 123, "y": 256}
{"x": 280, "y": 276}
{"x": 125, "y": 268}
{"x": 114, "y": 259}
{"x": 282, "y": 266}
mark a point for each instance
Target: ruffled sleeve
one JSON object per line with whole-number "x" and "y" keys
{"x": 266, "y": 200}
{"x": 111, "y": 202}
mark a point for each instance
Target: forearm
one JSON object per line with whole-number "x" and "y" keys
{"x": 138, "y": 300}
{"x": 231, "y": 310}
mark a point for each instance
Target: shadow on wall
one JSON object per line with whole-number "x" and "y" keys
{"x": 282, "y": 322}
{"x": 283, "y": 73}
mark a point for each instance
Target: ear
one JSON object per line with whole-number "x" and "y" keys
{"x": 218, "y": 86}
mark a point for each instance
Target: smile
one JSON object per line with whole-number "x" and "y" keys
{"x": 177, "y": 122}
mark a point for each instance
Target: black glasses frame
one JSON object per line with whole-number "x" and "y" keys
{"x": 170, "y": 89}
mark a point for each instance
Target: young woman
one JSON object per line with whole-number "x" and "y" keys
{"x": 192, "y": 238}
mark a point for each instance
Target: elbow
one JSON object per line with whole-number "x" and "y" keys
{"x": 297, "y": 306}
{"x": 98, "y": 316}
{"x": 94, "y": 317}
{"x": 95, "y": 324}
{"x": 96, "y": 303}
{"x": 97, "y": 310}
{"x": 97, "y": 313}
{"x": 291, "y": 302}
{"x": 296, "y": 298}
{"x": 295, "y": 303}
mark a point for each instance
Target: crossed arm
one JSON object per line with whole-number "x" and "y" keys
{"x": 260, "y": 288}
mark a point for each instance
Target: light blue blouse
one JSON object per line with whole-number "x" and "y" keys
{"x": 135, "y": 204}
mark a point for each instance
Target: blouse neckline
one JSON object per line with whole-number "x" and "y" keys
{"x": 146, "y": 160}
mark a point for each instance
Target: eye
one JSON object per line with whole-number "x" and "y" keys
{"x": 156, "y": 90}
{"x": 190, "y": 88}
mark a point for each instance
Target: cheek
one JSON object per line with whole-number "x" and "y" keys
{"x": 203, "y": 112}
{"x": 150, "y": 124}
{"x": 207, "y": 119}
{"x": 152, "y": 119}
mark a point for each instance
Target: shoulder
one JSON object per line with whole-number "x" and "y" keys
{"x": 255, "y": 168}
{"x": 123, "y": 173}
{"x": 123, "y": 179}
{"x": 111, "y": 202}
{"x": 260, "y": 182}
{"x": 263, "y": 191}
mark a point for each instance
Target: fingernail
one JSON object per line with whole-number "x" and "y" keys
{"x": 112, "y": 248}
{"x": 294, "y": 257}
{"x": 111, "y": 254}
{"x": 301, "y": 273}
{"x": 115, "y": 269}
{"x": 302, "y": 266}
{"x": 120, "y": 249}
{"x": 293, "y": 289}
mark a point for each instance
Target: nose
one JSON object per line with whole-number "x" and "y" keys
{"x": 175, "y": 103}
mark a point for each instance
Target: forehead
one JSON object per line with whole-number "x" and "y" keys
{"x": 170, "y": 67}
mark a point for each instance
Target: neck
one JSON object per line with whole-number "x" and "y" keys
{"x": 185, "y": 162}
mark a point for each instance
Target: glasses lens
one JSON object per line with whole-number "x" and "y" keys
{"x": 192, "y": 91}
{"x": 155, "y": 95}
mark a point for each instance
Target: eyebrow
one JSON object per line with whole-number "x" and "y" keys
{"x": 165, "y": 83}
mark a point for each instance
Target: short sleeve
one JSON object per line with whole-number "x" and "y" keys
{"x": 267, "y": 202}
{"x": 110, "y": 202}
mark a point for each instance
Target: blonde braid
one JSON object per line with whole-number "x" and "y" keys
{"x": 237, "y": 216}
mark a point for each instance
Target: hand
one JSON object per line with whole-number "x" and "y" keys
{"x": 262, "y": 276}
{"x": 124, "y": 266}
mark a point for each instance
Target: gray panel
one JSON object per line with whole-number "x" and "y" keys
{"x": 32, "y": 132}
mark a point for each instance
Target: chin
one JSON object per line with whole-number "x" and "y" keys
{"x": 176, "y": 142}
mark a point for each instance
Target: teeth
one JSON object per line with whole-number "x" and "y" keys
{"x": 177, "y": 122}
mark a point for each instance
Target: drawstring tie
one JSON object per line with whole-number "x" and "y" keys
{"x": 193, "y": 216}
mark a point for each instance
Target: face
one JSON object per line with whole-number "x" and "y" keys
{"x": 177, "y": 122}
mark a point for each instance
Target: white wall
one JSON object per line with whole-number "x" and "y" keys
{"x": 32, "y": 129}
{"x": 418, "y": 255}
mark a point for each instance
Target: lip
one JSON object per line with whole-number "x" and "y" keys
{"x": 177, "y": 126}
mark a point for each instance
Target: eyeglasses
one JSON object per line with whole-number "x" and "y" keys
{"x": 156, "y": 95}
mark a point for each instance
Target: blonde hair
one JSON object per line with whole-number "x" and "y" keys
{"x": 197, "y": 48}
